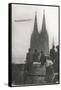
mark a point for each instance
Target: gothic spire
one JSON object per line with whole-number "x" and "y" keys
{"x": 43, "y": 37}
{"x": 35, "y": 35}
{"x": 43, "y": 22}
{"x": 35, "y": 24}
{"x": 43, "y": 29}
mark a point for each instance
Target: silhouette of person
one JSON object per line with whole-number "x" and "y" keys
{"x": 56, "y": 65}
{"x": 52, "y": 53}
{"x": 29, "y": 60}
{"x": 28, "y": 65}
{"x": 57, "y": 59}
{"x": 52, "y": 56}
{"x": 42, "y": 58}
{"x": 35, "y": 56}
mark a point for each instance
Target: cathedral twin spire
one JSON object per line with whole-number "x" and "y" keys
{"x": 40, "y": 40}
{"x": 43, "y": 23}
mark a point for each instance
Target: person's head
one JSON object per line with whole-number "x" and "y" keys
{"x": 29, "y": 49}
{"x": 35, "y": 50}
{"x": 42, "y": 52}
{"x": 53, "y": 47}
{"x": 57, "y": 47}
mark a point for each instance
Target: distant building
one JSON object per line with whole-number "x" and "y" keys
{"x": 40, "y": 41}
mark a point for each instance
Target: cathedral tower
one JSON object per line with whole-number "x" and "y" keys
{"x": 43, "y": 38}
{"x": 35, "y": 35}
{"x": 40, "y": 41}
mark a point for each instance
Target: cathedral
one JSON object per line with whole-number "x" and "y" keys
{"x": 40, "y": 41}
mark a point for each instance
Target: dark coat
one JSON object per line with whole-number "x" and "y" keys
{"x": 42, "y": 59}
{"x": 35, "y": 57}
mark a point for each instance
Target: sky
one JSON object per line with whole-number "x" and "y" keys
{"x": 22, "y": 26}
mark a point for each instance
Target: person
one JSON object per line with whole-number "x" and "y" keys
{"x": 29, "y": 60}
{"x": 57, "y": 60}
{"x": 35, "y": 56}
{"x": 42, "y": 58}
{"x": 28, "y": 65}
{"x": 52, "y": 54}
{"x": 49, "y": 70}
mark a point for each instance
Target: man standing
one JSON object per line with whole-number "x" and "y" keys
{"x": 57, "y": 60}
{"x": 28, "y": 65}
{"x": 35, "y": 56}
{"x": 42, "y": 58}
{"x": 29, "y": 61}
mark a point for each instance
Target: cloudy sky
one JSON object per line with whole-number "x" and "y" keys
{"x": 22, "y": 27}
